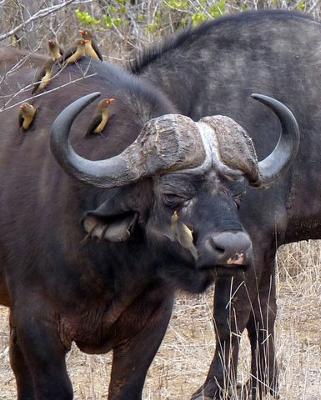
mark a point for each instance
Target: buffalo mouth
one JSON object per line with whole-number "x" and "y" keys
{"x": 224, "y": 267}
{"x": 240, "y": 263}
{"x": 200, "y": 257}
{"x": 237, "y": 259}
{"x": 224, "y": 270}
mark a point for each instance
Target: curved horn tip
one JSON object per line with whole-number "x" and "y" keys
{"x": 91, "y": 97}
{"x": 257, "y": 95}
{"x": 269, "y": 100}
{"x": 72, "y": 110}
{"x": 84, "y": 101}
{"x": 288, "y": 145}
{"x": 262, "y": 98}
{"x": 277, "y": 106}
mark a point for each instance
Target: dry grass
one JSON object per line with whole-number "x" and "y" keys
{"x": 182, "y": 362}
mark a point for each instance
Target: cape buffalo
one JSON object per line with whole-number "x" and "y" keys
{"x": 12, "y": 59}
{"x": 95, "y": 257}
{"x": 212, "y": 70}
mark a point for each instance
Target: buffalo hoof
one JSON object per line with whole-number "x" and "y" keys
{"x": 200, "y": 396}
{"x": 212, "y": 392}
{"x": 252, "y": 392}
{"x": 209, "y": 391}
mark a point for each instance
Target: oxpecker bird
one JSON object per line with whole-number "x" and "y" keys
{"x": 55, "y": 51}
{"x": 183, "y": 234}
{"x": 92, "y": 49}
{"x": 75, "y": 53}
{"x": 43, "y": 77}
{"x": 26, "y": 115}
{"x": 100, "y": 120}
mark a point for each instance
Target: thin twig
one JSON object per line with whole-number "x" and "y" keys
{"x": 39, "y": 14}
{"x": 42, "y": 94}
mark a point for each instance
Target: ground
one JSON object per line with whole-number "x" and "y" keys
{"x": 183, "y": 359}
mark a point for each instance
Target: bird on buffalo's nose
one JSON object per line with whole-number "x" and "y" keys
{"x": 100, "y": 120}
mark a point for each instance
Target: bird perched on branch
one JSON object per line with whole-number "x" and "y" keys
{"x": 55, "y": 51}
{"x": 92, "y": 49}
{"x": 101, "y": 118}
{"x": 26, "y": 115}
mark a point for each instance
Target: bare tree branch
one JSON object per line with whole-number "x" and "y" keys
{"x": 39, "y": 14}
{"x": 27, "y": 87}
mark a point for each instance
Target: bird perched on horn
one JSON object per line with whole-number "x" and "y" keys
{"x": 91, "y": 47}
{"x": 26, "y": 115}
{"x": 101, "y": 118}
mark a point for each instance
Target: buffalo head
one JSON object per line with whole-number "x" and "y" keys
{"x": 179, "y": 184}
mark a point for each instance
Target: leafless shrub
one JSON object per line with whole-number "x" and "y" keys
{"x": 120, "y": 26}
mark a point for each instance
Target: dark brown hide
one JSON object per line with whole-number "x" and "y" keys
{"x": 212, "y": 70}
{"x": 59, "y": 287}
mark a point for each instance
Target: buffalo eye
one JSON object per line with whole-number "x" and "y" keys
{"x": 173, "y": 200}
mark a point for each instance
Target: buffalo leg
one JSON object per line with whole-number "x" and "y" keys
{"x": 21, "y": 371}
{"x": 133, "y": 357}
{"x": 261, "y": 334}
{"x": 44, "y": 355}
{"x": 232, "y": 307}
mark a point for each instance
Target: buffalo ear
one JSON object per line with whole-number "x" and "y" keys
{"x": 109, "y": 223}
{"x": 115, "y": 230}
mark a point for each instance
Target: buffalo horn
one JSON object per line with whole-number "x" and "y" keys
{"x": 169, "y": 142}
{"x": 287, "y": 147}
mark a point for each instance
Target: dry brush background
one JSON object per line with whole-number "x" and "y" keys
{"x": 181, "y": 364}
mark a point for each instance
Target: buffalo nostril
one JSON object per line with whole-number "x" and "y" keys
{"x": 217, "y": 248}
{"x": 229, "y": 247}
{"x": 214, "y": 246}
